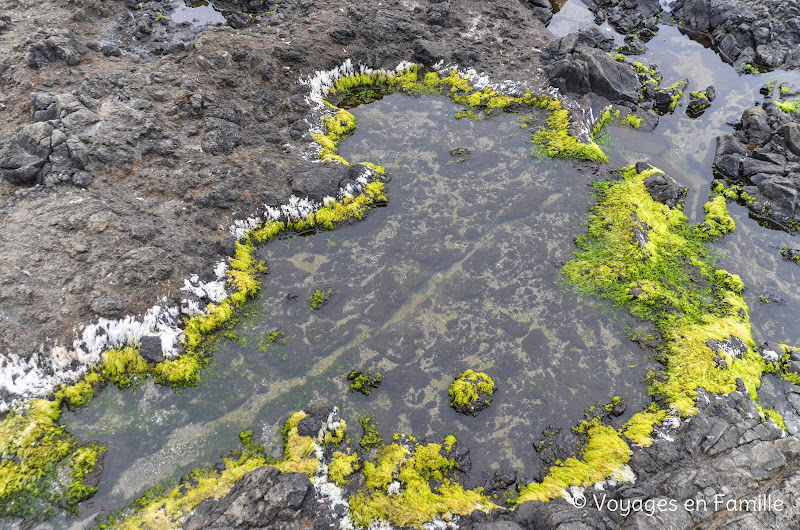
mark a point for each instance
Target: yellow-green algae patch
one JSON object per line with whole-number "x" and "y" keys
{"x": 644, "y": 255}
{"x": 605, "y": 455}
{"x": 553, "y": 139}
{"x": 639, "y": 429}
{"x": 343, "y": 464}
{"x": 470, "y": 388}
{"x": 410, "y": 486}
{"x": 42, "y": 467}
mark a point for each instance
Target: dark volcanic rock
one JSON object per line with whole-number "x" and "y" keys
{"x": 762, "y": 156}
{"x": 151, "y": 349}
{"x": 317, "y": 181}
{"x": 53, "y": 46}
{"x": 724, "y": 451}
{"x": 263, "y": 498}
{"x": 664, "y": 189}
{"x": 579, "y": 64}
{"x": 764, "y": 33}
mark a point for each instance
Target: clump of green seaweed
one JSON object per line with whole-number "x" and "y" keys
{"x": 364, "y": 381}
{"x": 470, "y": 392}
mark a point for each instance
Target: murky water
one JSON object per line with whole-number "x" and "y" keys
{"x": 198, "y": 13}
{"x": 460, "y": 270}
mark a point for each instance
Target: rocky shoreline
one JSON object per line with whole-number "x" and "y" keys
{"x": 130, "y": 144}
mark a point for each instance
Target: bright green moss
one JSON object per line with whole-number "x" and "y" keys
{"x": 555, "y": 140}
{"x": 120, "y": 365}
{"x": 666, "y": 277}
{"x": 789, "y": 106}
{"x": 412, "y": 501}
{"x": 371, "y": 437}
{"x": 162, "y": 508}
{"x": 605, "y": 119}
{"x": 639, "y": 429}
{"x": 604, "y": 456}
{"x": 718, "y": 220}
{"x": 776, "y": 417}
{"x": 298, "y": 453}
{"x": 633, "y": 120}
{"x": 470, "y": 391}
{"x": 82, "y": 392}
{"x": 319, "y": 298}
{"x": 364, "y": 381}
{"x": 43, "y": 467}
{"x": 343, "y": 464}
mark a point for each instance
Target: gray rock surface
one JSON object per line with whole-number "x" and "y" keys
{"x": 129, "y": 142}
{"x": 762, "y": 157}
{"x": 264, "y": 498}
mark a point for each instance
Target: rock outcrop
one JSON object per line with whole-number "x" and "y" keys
{"x": 763, "y": 156}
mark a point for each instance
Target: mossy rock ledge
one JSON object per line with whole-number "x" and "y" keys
{"x": 471, "y": 392}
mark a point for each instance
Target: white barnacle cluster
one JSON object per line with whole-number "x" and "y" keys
{"x": 300, "y": 209}
{"x": 322, "y": 81}
{"x": 203, "y": 292}
{"x": 326, "y": 490}
{"x": 439, "y": 524}
{"x": 45, "y": 371}
{"x": 241, "y": 227}
{"x": 621, "y": 475}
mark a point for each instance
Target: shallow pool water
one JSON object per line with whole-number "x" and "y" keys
{"x": 460, "y": 270}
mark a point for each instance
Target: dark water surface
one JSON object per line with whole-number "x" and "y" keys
{"x": 460, "y": 270}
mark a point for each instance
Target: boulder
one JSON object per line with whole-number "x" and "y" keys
{"x": 665, "y": 190}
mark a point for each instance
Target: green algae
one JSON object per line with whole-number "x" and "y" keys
{"x": 639, "y": 429}
{"x": 398, "y": 488}
{"x": 470, "y": 391}
{"x": 789, "y": 106}
{"x": 162, "y": 508}
{"x": 633, "y": 120}
{"x": 371, "y": 437}
{"x": 668, "y": 278}
{"x": 605, "y": 455}
{"x": 319, "y": 298}
{"x": 342, "y": 466}
{"x": 364, "y": 381}
{"x": 42, "y": 467}
{"x": 555, "y": 140}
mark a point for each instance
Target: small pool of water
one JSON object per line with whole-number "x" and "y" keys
{"x": 198, "y": 13}
{"x": 461, "y": 270}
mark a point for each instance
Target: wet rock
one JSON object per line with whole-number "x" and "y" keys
{"x": 319, "y": 180}
{"x": 578, "y": 64}
{"x": 263, "y": 498}
{"x": 791, "y": 254}
{"x": 56, "y": 45}
{"x": 763, "y": 157}
{"x": 632, "y": 46}
{"x": 150, "y": 349}
{"x": 665, "y": 190}
{"x": 316, "y": 417}
{"x": 697, "y": 107}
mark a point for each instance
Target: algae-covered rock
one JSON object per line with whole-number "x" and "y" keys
{"x": 364, "y": 381}
{"x": 471, "y": 391}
